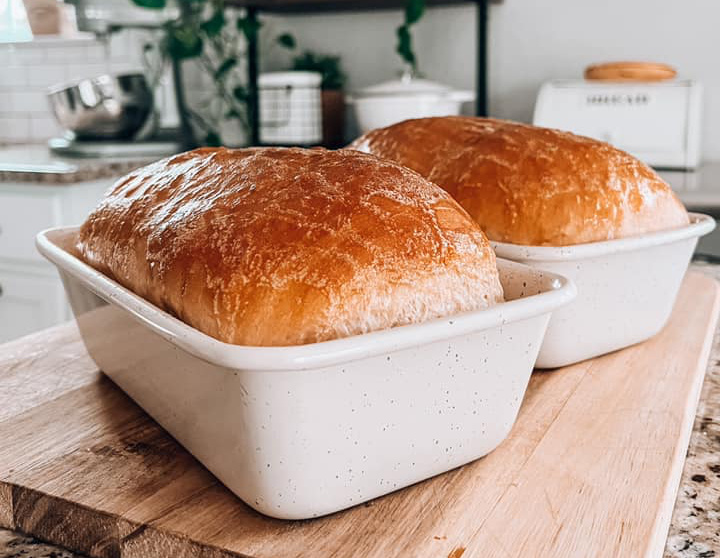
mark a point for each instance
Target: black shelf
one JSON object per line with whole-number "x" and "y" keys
{"x": 305, "y": 6}
{"x": 254, "y": 7}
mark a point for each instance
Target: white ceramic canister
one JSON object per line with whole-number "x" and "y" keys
{"x": 290, "y": 108}
{"x": 402, "y": 99}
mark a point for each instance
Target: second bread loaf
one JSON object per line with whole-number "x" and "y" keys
{"x": 529, "y": 185}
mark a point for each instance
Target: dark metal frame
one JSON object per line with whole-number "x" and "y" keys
{"x": 253, "y": 102}
{"x": 481, "y": 80}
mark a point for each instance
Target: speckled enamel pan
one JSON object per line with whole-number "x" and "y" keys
{"x": 626, "y": 289}
{"x": 304, "y": 431}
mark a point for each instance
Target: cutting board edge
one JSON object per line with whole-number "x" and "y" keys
{"x": 658, "y": 538}
{"x": 126, "y": 536}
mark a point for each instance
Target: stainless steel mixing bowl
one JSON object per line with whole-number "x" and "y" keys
{"x": 103, "y": 107}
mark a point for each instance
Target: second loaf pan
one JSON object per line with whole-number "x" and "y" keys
{"x": 626, "y": 289}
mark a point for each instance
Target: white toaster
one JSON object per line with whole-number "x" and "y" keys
{"x": 658, "y": 122}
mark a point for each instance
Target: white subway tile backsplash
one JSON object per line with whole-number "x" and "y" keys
{"x": 24, "y": 55}
{"x": 19, "y": 54}
{"x": 13, "y": 76}
{"x": 86, "y": 70}
{"x": 71, "y": 53}
{"x": 29, "y": 101}
{"x": 14, "y": 128}
{"x": 46, "y": 75}
{"x": 7, "y": 56}
{"x": 44, "y": 128}
{"x": 92, "y": 70}
{"x": 96, "y": 52}
{"x": 6, "y": 101}
{"x": 126, "y": 68}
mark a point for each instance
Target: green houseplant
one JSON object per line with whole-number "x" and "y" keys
{"x": 414, "y": 10}
{"x": 210, "y": 34}
{"x": 333, "y": 99}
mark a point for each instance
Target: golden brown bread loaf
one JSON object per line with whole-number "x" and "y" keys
{"x": 290, "y": 246}
{"x": 529, "y": 185}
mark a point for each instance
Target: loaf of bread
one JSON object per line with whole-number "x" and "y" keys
{"x": 532, "y": 186}
{"x": 290, "y": 246}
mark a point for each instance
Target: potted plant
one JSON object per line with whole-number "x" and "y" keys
{"x": 414, "y": 10}
{"x": 333, "y": 100}
{"x": 209, "y": 33}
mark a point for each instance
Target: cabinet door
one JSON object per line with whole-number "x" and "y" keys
{"x": 28, "y": 303}
{"x": 22, "y": 216}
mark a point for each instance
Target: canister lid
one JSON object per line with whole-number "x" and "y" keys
{"x": 295, "y": 79}
{"x": 404, "y": 87}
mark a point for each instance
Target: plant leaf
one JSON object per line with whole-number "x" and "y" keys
{"x": 249, "y": 27}
{"x": 240, "y": 93}
{"x": 329, "y": 66}
{"x": 287, "y": 40}
{"x": 414, "y": 10}
{"x": 214, "y": 25}
{"x": 213, "y": 139}
{"x": 183, "y": 42}
{"x": 154, "y": 4}
{"x": 404, "y": 45}
{"x": 227, "y": 65}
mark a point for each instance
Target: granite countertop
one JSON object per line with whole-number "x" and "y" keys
{"x": 695, "y": 526}
{"x": 37, "y": 165}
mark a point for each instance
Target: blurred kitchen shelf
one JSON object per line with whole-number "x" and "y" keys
{"x": 286, "y": 6}
{"x": 254, "y": 7}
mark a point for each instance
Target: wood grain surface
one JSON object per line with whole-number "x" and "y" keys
{"x": 590, "y": 469}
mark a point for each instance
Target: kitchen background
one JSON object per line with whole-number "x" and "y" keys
{"x": 528, "y": 44}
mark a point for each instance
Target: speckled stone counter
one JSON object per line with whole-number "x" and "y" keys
{"x": 15, "y": 545}
{"x": 35, "y": 164}
{"x": 695, "y": 527}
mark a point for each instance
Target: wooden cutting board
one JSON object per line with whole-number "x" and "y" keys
{"x": 590, "y": 469}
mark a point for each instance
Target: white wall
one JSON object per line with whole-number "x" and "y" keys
{"x": 366, "y": 43}
{"x": 530, "y": 41}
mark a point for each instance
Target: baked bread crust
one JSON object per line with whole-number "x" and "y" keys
{"x": 290, "y": 246}
{"x": 532, "y": 186}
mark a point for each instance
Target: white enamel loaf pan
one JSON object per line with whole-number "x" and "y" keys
{"x": 303, "y": 431}
{"x": 626, "y": 289}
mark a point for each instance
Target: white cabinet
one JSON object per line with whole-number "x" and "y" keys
{"x": 29, "y": 302}
{"x": 31, "y": 293}
{"x": 21, "y": 217}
